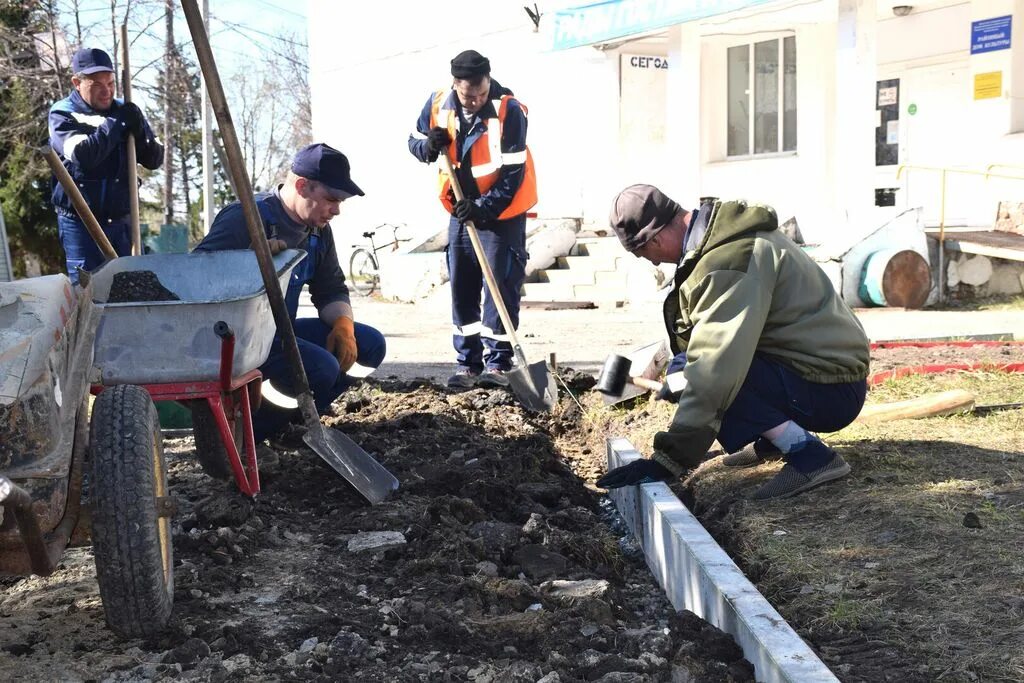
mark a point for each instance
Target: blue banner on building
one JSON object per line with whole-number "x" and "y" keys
{"x": 989, "y": 35}
{"x": 611, "y": 19}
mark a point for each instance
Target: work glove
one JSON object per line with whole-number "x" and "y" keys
{"x": 276, "y": 245}
{"x": 131, "y": 117}
{"x": 641, "y": 471}
{"x": 467, "y": 210}
{"x": 341, "y": 341}
{"x": 438, "y": 140}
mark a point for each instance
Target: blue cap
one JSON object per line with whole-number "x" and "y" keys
{"x": 327, "y": 165}
{"x": 91, "y": 60}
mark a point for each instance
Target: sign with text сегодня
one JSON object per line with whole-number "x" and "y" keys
{"x": 989, "y": 35}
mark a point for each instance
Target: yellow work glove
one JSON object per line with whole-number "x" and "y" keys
{"x": 342, "y": 342}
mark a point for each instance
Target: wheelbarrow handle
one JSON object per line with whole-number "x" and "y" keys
{"x": 223, "y": 330}
{"x": 227, "y": 353}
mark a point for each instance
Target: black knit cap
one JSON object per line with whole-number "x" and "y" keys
{"x": 470, "y": 64}
{"x": 639, "y": 213}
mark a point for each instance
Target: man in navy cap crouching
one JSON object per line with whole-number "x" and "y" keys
{"x": 88, "y": 131}
{"x": 296, "y": 215}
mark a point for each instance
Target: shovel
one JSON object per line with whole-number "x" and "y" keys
{"x": 81, "y": 206}
{"x": 532, "y": 384}
{"x": 368, "y": 477}
{"x": 133, "y": 168}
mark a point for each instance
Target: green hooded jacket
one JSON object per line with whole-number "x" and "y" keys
{"x": 746, "y": 289}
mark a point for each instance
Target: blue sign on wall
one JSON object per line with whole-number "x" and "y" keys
{"x": 611, "y": 19}
{"x": 989, "y": 35}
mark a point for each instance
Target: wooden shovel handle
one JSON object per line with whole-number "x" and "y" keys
{"x": 81, "y": 206}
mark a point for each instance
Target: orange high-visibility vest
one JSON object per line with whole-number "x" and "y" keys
{"x": 485, "y": 156}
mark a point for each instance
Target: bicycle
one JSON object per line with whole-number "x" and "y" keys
{"x": 363, "y": 267}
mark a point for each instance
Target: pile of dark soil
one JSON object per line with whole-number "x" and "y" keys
{"x": 138, "y": 286}
{"x": 493, "y": 562}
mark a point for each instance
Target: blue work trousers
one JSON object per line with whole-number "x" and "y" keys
{"x": 773, "y": 394}
{"x": 475, "y": 331}
{"x": 80, "y": 249}
{"x": 326, "y": 379}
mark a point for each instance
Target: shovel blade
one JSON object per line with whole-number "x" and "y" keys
{"x": 533, "y": 386}
{"x": 348, "y": 459}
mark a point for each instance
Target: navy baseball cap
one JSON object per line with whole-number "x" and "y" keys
{"x": 91, "y": 60}
{"x": 326, "y": 165}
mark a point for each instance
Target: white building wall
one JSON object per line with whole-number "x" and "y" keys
{"x": 372, "y": 71}
{"x": 371, "y": 75}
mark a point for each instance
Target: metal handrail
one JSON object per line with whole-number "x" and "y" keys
{"x": 989, "y": 168}
{"x": 942, "y": 203}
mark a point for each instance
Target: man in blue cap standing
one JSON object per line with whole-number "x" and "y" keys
{"x": 296, "y": 215}
{"x": 88, "y": 131}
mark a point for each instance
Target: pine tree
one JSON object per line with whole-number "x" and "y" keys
{"x": 31, "y": 79}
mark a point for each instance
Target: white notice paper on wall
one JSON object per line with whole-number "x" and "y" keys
{"x": 887, "y": 96}
{"x": 892, "y": 133}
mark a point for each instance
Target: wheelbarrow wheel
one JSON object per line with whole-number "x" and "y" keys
{"x": 131, "y": 507}
{"x": 210, "y": 452}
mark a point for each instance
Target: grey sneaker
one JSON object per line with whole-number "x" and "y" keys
{"x": 756, "y": 453}
{"x": 493, "y": 379}
{"x": 463, "y": 379}
{"x": 791, "y": 481}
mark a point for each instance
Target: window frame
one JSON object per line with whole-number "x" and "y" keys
{"x": 751, "y": 44}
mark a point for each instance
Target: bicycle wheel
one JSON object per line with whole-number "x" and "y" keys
{"x": 363, "y": 273}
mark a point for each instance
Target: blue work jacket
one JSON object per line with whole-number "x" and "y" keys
{"x": 91, "y": 145}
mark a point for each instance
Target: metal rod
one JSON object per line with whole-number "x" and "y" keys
{"x": 257, "y": 233}
{"x": 84, "y": 212}
{"x": 133, "y": 168}
{"x": 942, "y": 240}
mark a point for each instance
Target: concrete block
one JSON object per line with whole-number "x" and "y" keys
{"x": 1007, "y": 278}
{"x": 409, "y": 277}
{"x": 551, "y": 241}
{"x": 698, "y": 575}
{"x": 975, "y": 270}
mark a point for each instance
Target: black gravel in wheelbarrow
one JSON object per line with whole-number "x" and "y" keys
{"x": 138, "y": 286}
{"x": 492, "y": 563}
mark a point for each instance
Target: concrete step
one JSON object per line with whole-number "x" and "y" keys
{"x": 567, "y": 276}
{"x": 592, "y": 263}
{"x": 599, "y": 246}
{"x": 547, "y": 291}
{"x": 599, "y": 294}
{"x": 611, "y": 279}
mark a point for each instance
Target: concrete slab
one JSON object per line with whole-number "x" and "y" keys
{"x": 698, "y": 575}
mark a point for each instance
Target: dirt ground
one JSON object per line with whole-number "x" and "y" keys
{"x": 912, "y": 356}
{"x": 496, "y": 564}
{"x": 907, "y": 570}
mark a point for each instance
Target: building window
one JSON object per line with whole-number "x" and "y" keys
{"x": 762, "y": 99}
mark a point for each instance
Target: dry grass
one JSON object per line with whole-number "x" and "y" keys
{"x": 877, "y": 571}
{"x": 883, "y": 556}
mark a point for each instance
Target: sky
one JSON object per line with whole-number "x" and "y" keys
{"x": 241, "y": 31}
